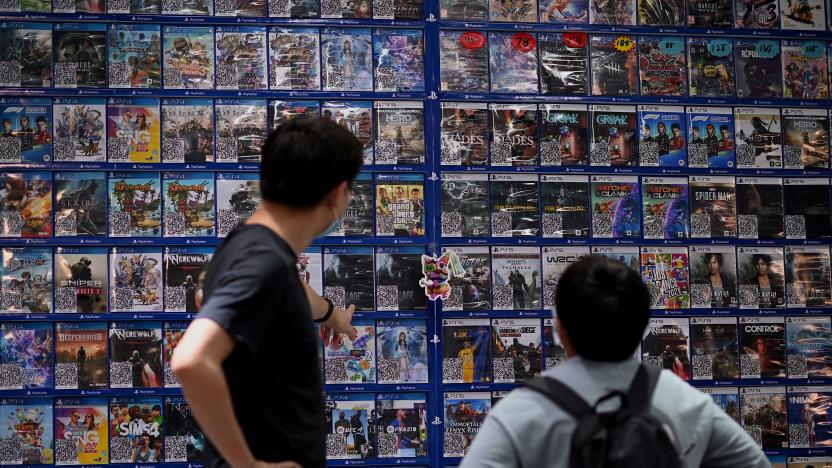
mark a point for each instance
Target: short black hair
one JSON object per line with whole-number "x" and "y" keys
{"x": 303, "y": 160}
{"x": 717, "y": 256}
{"x": 604, "y": 308}
{"x": 765, "y": 258}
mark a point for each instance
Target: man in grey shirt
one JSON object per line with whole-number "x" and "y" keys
{"x": 603, "y": 310}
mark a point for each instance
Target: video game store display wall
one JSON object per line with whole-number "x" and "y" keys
{"x": 688, "y": 139}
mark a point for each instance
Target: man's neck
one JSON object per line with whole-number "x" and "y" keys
{"x": 289, "y": 223}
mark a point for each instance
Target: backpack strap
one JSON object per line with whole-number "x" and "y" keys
{"x": 641, "y": 390}
{"x": 561, "y": 395}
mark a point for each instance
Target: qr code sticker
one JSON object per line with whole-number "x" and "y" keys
{"x": 550, "y": 154}
{"x": 798, "y": 436}
{"x": 172, "y": 6}
{"x": 118, "y": 149}
{"x": 749, "y": 366}
{"x": 336, "y": 370}
{"x": 602, "y": 225}
{"x": 226, "y": 75}
{"x": 756, "y": 433}
{"x": 330, "y": 8}
{"x": 503, "y": 297}
{"x": 552, "y": 224}
{"x": 550, "y": 291}
{"x": 171, "y": 380}
{"x": 122, "y": 299}
{"x": 227, "y": 220}
{"x": 454, "y": 300}
{"x": 599, "y": 155}
{"x": 383, "y": 9}
{"x": 797, "y": 366}
{"x": 501, "y": 223}
{"x": 501, "y": 153}
{"x": 176, "y": 449}
{"x": 66, "y": 299}
{"x": 279, "y": 8}
{"x": 63, "y": 149}
{"x": 63, "y": 6}
{"x": 653, "y": 361}
{"x": 336, "y": 445}
{"x": 11, "y": 451}
{"x": 175, "y": 297}
{"x": 175, "y": 223}
{"x": 385, "y": 77}
{"x": 749, "y": 295}
{"x": 121, "y": 450}
{"x": 700, "y": 295}
{"x": 451, "y": 153}
{"x": 9, "y": 71}
{"x": 66, "y": 224}
{"x": 795, "y": 227}
{"x": 454, "y": 445}
{"x": 173, "y": 150}
{"x": 746, "y": 156}
{"x": 66, "y": 74}
{"x": 121, "y": 375}
{"x": 10, "y": 149}
{"x": 388, "y": 445}
{"x": 11, "y": 301}
{"x": 225, "y": 7}
{"x": 387, "y": 152}
{"x": 227, "y": 149}
{"x": 119, "y": 72}
{"x": 11, "y": 376}
{"x": 748, "y": 226}
{"x": 120, "y": 224}
{"x": 334, "y": 76}
{"x": 385, "y": 225}
{"x": 796, "y": 293}
{"x": 503, "y": 370}
{"x": 653, "y": 227}
{"x": 388, "y": 297}
{"x": 698, "y": 155}
{"x": 451, "y": 224}
{"x": 66, "y": 451}
{"x": 657, "y": 299}
{"x": 336, "y": 294}
{"x": 649, "y": 152}
{"x": 388, "y": 371}
{"x": 700, "y": 225}
{"x": 792, "y": 157}
{"x": 552, "y": 362}
{"x": 12, "y": 223}
{"x": 451, "y": 370}
{"x": 66, "y": 375}
{"x": 703, "y": 367}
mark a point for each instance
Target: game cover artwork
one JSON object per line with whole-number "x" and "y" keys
{"x": 803, "y": 14}
{"x": 764, "y": 413}
{"x": 133, "y": 130}
{"x": 808, "y": 277}
{"x": 26, "y": 280}
{"x": 135, "y": 204}
{"x": 241, "y": 58}
{"x": 398, "y": 271}
{"x": 807, "y": 414}
{"x": 563, "y": 11}
{"x": 808, "y": 343}
{"x": 629, "y": 256}
{"x": 349, "y": 276}
{"x": 399, "y": 60}
{"x": 402, "y": 347}
{"x": 466, "y": 353}
{"x": 240, "y": 129}
{"x": 661, "y": 12}
{"x": 711, "y": 137}
{"x": 713, "y": 342}
{"x": 665, "y": 270}
{"x": 763, "y": 346}
{"x": 79, "y": 125}
{"x": 618, "y": 12}
{"x": 464, "y": 415}
{"x": 187, "y": 131}
{"x": 615, "y": 207}
{"x": 516, "y": 278}
{"x": 662, "y": 65}
{"x": 757, "y": 14}
{"x": 173, "y": 335}
{"x": 80, "y": 55}
{"x": 464, "y": 134}
{"x": 662, "y": 136}
{"x": 28, "y": 422}
{"x": 760, "y": 207}
{"x": 554, "y": 352}
{"x": 347, "y": 56}
{"x": 709, "y": 13}
{"x": 185, "y": 269}
{"x": 711, "y": 67}
{"x": 402, "y": 425}
{"x": 758, "y": 68}
{"x": 555, "y": 262}
{"x": 238, "y": 196}
{"x": 310, "y": 265}
{"x": 614, "y": 66}
{"x": 281, "y": 111}
{"x": 805, "y": 139}
{"x": 26, "y": 351}
{"x": 400, "y": 133}
{"x": 759, "y": 138}
{"x": 81, "y": 280}
{"x": 25, "y": 204}
{"x": 805, "y": 70}
{"x": 463, "y": 10}
{"x": 713, "y": 277}
{"x": 564, "y": 134}
{"x": 513, "y": 11}
{"x": 357, "y": 117}
{"x": 400, "y": 205}
{"x": 358, "y": 220}
{"x": 665, "y": 207}
{"x": 80, "y": 204}
{"x": 513, "y": 134}
{"x": 614, "y": 136}
{"x": 135, "y": 355}
{"x": 81, "y": 431}
{"x": 713, "y": 207}
{"x": 134, "y": 53}
{"x": 464, "y": 59}
{"x": 761, "y": 272}
{"x": 472, "y": 291}
{"x": 517, "y": 349}
{"x": 189, "y": 7}
{"x": 81, "y": 356}
{"x": 514, "y": 200}
{"x": 465, "y": 205}
{"x": 294, "y": 59}
{"x": 189, "y": 57}
{"x": 183, "y": 437}
{"x": 136, "y": 430}
{"x": 349, "y": 419}
{"x": 347, "y": 9}
{"x": 189, "y": 204}
{"x": 563, "y": 65}
{"x": 513, "y": 60}
{"x": 565, "y": 206}
{"x": 136, "y": 281}
{"x": 80, "y": 6}
{"x": 666, "y": 345}
{"x": 727, "y": 398}
{"x": 27, "y": 55}
{"x": 26, "y": 136}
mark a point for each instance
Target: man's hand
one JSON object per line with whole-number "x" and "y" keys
{"x": 341, "y": 321}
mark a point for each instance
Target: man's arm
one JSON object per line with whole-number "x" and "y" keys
{"x": 729, "y": 445}
{"x": 492, "y": 448}
{"x": 341, "y": 319}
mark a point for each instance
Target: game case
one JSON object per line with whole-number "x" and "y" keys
{"x": 187, "y": 130}
{"x": 808, "y": 277}
{"x": 357, "y": 117}
{"x": 614, "y": 61}
{"x": 349, "y": 419}
{"x": 133, "y": 133}
{"x": 184, "y": 440}
{"x": 711, "y": 67}
{"x": 516, "y": 273}
{"x": 807, "y": 208}
{"x": 513, "y": 11}
{"x": 613, "y": 136}
{"x": 760, "y": 207}
{"x": 805, "y": 139}
{"x": 80, "y": 55}
{"x": 398, "y": 271}
{"x": 805, "y": 69}
{"x": 513, "y": 62}
{"x": 135, "y": 355}
{"x": 79, "y": 126}
{"x": 563, "y": 63}
{"x": 137, "y": 430}
{"x": 241, "y": 126}
{"x": 402, "y": 346}
{"x": 661, "y": 13}
{"x": 464, "y": 133}
{"x": 464, "y": 61}
{"x": 27, "y": 55}
{"x": 294, "y": 59}
{"x": 310, "y": 264}
{"x": 666, "y": 345}
{"x": 256, "y": 8}
{"x": 464, "y": 205}
{"x": 81, "y": 430}
{"x": 662, "y": 136}
{"x": 763, "y": 346}
{"x": 136, "y": 279}
{"x": 620, "y": 12}
{"x": 133, "y": 52}
{"x": 349, "y": 361}
{"x": 761, "y": 277}
{"x": 241, "y": 57}
{"x": 463, "y": 10}
{"x": 26, "y": 280}
{"x": 189, "y": 204}
{"x": 758, "y": 68}
{"x": 26, "y": 353}
{"x": 808, "y": 413}
{"x": 400, "y": 205}
{"x": 471, "y": 291}
{"x": 514, "y": 210}
{"x": 402, "y": 425}
{"x": 764, "y": 415}
{"x": 188, "y": 7}
{"x": 81, "y": 356}
{"x": 553, "y": 348}
{"x": 347, "y": 55}
{"x": 27, "y": 423}
{"x": 806, "y": 462}
{"x": 349, "y": 276}
{"x": 26, "y": 205}
{"x": 555, "y": 262}
{"x": 358, "y": 220}
{"x": 563, "y": 11}
{"x": 615, "y": 207}
{"x": 564, "y": 134}
{"x": 713, "y": 207}
{"x": 281, "y": 112}
{"x": 466, "y": 357}
{"x": 713, "y": 273}
{"x": 711, "y": 137}
{"x": 759, "y": 138}
{"x": 80, "y": 6}
{"x": 709, "y": 13}
{"x": 517, "y": 349}
{"x": 565, "y": 206}
{"x": 665, "y": 207}
{"x": 665, "y": 271}
{"x": 294, "y": 9}
{"x": 713, "y": 341}
{"x": 628, "y": 255}
{"x": 662, "y": 65}
{"x": 808, "y": 342}
{"x": 135, "y": 204}
{"x": 513, "y": 134}
{"x": 189, "y": 56}
{"x": 399, "y": 60}
{"x": 185, "y": 270}
{"x": 803, "y": 15}
{"x": 727, "y": 398}
{"x": 400, "y": 132}
{"x": 238, "y": 196}
{"x": 80, "y": 204}
{"x": 337, "y": 9}
{"x": 82, "y": 280}
{"x": 465, "y": 413}
{"x": 756, "y": 14}
{"x": 27, "y": 134}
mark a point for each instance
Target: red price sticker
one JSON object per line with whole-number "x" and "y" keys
{"x": 575, "y": 40}
{"x": 524, "y": 42}
{"x": 472, "y": 40}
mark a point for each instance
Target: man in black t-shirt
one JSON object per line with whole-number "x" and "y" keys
{"x": 258, "y": 405}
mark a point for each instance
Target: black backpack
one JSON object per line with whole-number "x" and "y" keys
{"x": 626, "y": 437}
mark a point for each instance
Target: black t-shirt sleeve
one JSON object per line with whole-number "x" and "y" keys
{"x": 246, "y": 297}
